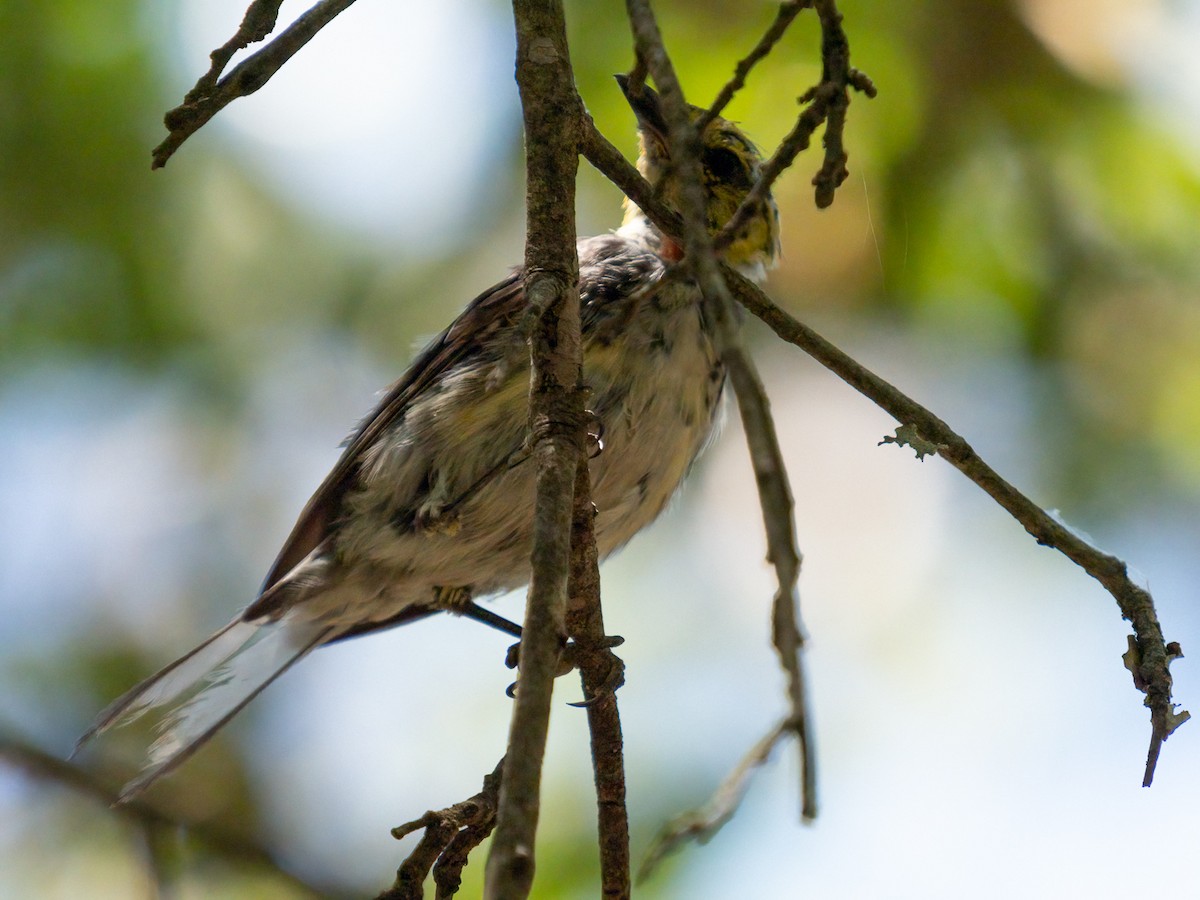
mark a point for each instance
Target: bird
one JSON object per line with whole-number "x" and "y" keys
{"x": 429, "y": 506}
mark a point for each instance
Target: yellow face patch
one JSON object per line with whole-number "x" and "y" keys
{"x": 731, "y": 167}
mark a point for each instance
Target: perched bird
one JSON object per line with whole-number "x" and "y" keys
{"x": 430, "y": 505}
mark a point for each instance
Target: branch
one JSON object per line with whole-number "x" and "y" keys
{"x": 601, "y": 673}
{"x": 701, "y": 825}
{"x": 38, "y": 764}
{"x": 836, "y": 76}
{"x": 1149, "y": 656}
{"x": 258, "y": 22}
{"x": 765, "y": 455}
{"x": 210, "y": 96}
{"x": 450, "y": 836}
{"x": 552, "y": 114}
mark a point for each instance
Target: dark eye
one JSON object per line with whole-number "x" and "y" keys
{"x": 725, "y": 165}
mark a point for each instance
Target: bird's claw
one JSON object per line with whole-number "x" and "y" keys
{"x": 595, "y": 434}
{"x": 569, "y": 659}
{"x": 613, "y": 668}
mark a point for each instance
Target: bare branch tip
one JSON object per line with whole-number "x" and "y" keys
{"x": 861, "y": 82}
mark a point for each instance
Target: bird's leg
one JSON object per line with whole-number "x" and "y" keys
{"x": 472, "y": 610}
{"x": 457, "y": 600}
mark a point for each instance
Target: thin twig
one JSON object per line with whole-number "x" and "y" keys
{"x": 775, "y": 498}
{"x": 796, "y": 142}
{"x": 450, "y": 835}
{"x": 601, "y": 673}
{"x": 1149, "y": 656}
{"x": 37, "y": 763}
{"x": 702, "y": 824}
{"x": 765, "y": 455}
{"x": 258, "y": 22}
{"x": 206, "y": 99}
{"x": 552, "y": 116}
{"x": 787, "y": 12}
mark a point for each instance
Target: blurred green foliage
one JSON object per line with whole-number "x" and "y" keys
{"x": 999, "y": 195}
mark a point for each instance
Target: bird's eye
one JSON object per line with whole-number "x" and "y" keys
{"x": 725, "y": 165}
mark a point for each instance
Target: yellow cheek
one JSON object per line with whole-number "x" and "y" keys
{"x": 722, "y": 206}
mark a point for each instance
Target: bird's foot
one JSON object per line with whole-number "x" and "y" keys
{"x": 591, "y": 658}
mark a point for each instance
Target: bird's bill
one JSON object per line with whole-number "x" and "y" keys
{"x": 647, "y": 106}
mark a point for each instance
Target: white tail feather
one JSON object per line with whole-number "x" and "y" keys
{"x": 173, "y": 681}
{"x": 190, "y": 670}
{"x": 247, "y": 669}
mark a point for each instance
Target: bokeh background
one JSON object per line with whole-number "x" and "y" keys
{"x": 182, "y": 350}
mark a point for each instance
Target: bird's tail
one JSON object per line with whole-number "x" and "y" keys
{"x": 229, "y": 670}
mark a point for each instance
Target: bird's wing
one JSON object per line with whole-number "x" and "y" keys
{"x": 497, "y": 308}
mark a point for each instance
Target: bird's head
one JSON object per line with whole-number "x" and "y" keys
{"x": 731, "y": 165}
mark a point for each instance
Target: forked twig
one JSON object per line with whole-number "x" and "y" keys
{"x": 825, "y": 102}
{"x": 450, "y": 836}
{"x": 211, "y": 95}
{"x": 258, "y": 22}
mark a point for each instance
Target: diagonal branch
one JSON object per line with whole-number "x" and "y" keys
{"x": 258, "y": 22}
{"x": 210, "y": 96}
{"x": 612, "y": 164}
{"x": 702, "y": 824}
{"x": 1149, "y": 655}
{"x": 787, "y": 12}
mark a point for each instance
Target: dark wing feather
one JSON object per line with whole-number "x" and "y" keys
{"x": 496, "y": 308}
